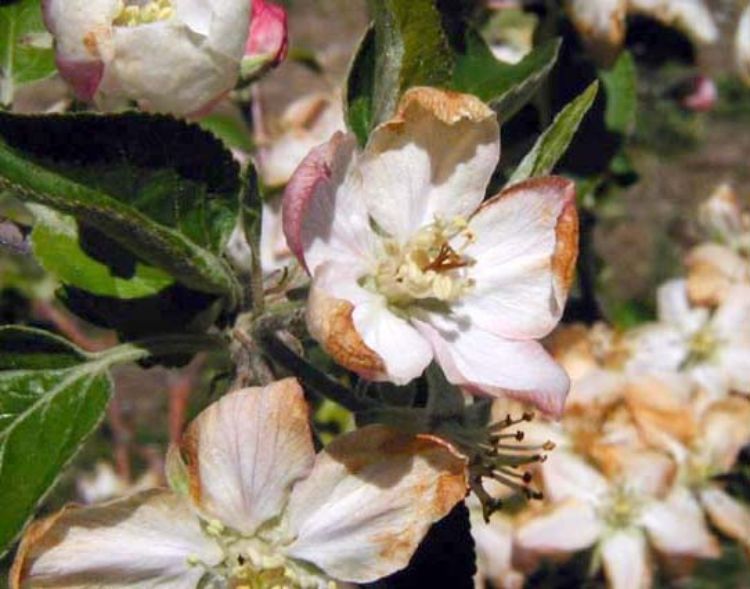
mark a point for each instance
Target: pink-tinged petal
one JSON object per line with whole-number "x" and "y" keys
{"x": 268, "y": 34}
{"x": 676, "y": 526}
{"x": 142, "y": 541}
{"x": 434, "y": 157}
{"x": 626, "y": 562}
{"x": 83, "y": 76}
{"x": 703, "y": 95}
{"x": 524, "y": 258}
{"x": 489, "y": 364}
{"x": 370, "y": 500}
{"x": 323, "y": 216}
{"x": 245, "y": 451}
{"x": 567, "y": 476}
{"x": 566, "y": 527}
{"x": 729, "y": 515}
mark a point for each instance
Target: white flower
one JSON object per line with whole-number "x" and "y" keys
{"x": 602, "y": 23}
{"x": 177, "y": 56}
{"x": 254, "y": 506}
{"x": 742, "y": 45}
{"x": 409, "y": 265}
{"x": 714, "y": 266}
{"x": 104, "y": 484}
{"x": 619, "y": 518}
{"x": 714, "y": 348}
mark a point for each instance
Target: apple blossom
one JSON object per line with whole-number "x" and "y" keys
{"x": 713, "y": 348}
{"x": 714, "y": 266}
{"x": 619, "y": 517}
{"x": 408, "y": 265}
{"x": 602, "y": 23}
{"x": 176, "y": 56}
{"x": 253, "y": 506}
{"x": 742, "y": 45}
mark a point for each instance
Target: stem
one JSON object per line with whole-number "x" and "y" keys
{"x": 311, "y": 376}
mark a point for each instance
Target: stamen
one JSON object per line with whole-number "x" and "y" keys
{"x": 135, "y": 14}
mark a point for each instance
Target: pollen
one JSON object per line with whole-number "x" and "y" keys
{"x": 431, "y": 265}
{"x": 133, "y": 13}
{"x": 702, "y": 345}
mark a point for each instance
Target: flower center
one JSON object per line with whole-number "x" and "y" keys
{"x": 702, "y": 345}
{"x": 621, "y": 508}
{"x": 134, "y": 12}
{"x": 427, "y": 267}
{"x": 254, "y": 563}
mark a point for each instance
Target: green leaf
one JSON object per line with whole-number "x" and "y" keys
{"x": 161, "y": 189}
{"x": 52, "y": 396}
{"x": 622, "y": 97}
{"x": 56, "y": 240}
{"x": 360, "y": 88}
{"x": 25, "y": 47}
{"x": 405, "y": 47}
{"x": 553, "y": 143}
{"x": 507, "y": 87}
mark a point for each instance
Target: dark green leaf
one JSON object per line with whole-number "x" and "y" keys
{"x": 360, "y": 85}
{"x": 507, "y": 87}
{"x": 553, "y": 143}
{"x": 25, "y": 47}
{"x": 161, "y": 189}
{"x": 622, "y": 97}
{"x": 52, "y": 396}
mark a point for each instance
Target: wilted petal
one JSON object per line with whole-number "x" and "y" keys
{"x": 727, "y": 513}
{"x": 490, "y": 364}
{"x": 143, "y": 541}
{"x": 601, "y": 23}
{"x": 323, "y": 216}
{"x": 567, "y": 527}
{"x": 524, "y": 258}
{"x": 370, "y": 499}
{"x": 625, "y": 558}
{"x": 676, "y": 526}
{"x": 245, "y": 451}
{"x": 435, "y": 157}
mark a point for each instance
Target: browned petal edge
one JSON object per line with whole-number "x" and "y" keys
{"x": 330, "y": 323}
{"x": 311, "y": 173}
{"x": 33, "y": 536}
{"x": 654, "y": 409}
{"x": 604, "y": 46}
{"x": 563, "y": 260}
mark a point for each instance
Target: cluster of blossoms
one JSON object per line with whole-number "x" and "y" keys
{"x": 656, "y": 418}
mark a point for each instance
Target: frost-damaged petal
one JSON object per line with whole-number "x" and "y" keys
{"x": 726, "y": 513}
{"x": 490, "y": 364}
{"x": 566, "y": 527}
{"x": 626, "y": 562}
{"x": 601, "y": 23}
{"x": 524, "y": 258}
{"x": 246, "y": 451}
{"x": 323, "y": 220}
{"x": 142, "y": 541}
{"x": 435, "y": 157}
{"x": 370, "y": 500}
{"x": 676, "y": 526}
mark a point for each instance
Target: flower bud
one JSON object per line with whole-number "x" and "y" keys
{"x": 267, "y": 42}
{"x": 176, "y": 56}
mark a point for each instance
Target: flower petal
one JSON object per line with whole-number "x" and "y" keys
{"x": 674, "y": 308}
{"x": 370, "y": 500}
{"x": 324, "y": 218}
{"x": 246, "y": 451}
{"x": 434, "y": 157}
{"x": 676, "y": 526}
{"x": 524, "y": 258}
{"x": 496, "y": 366}
{"x": 725, "y": 429}
{"x": 601, "y": 24}
{"x": 712, "y": 268}
{"x": 494, "y": 546}
{"x": 726, "y": 513}
{"x": 692, "y": 17}
{"x": 742, "y": 45}
{"x": 626, "y": 562}
{"x": 142, "y": 541}
{"x": 567, "y": 476}
{"x": 567, "y": 527}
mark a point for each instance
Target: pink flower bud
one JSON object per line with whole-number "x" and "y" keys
{"x": 268, "y": 38}
{"x": 703, "y": 95}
